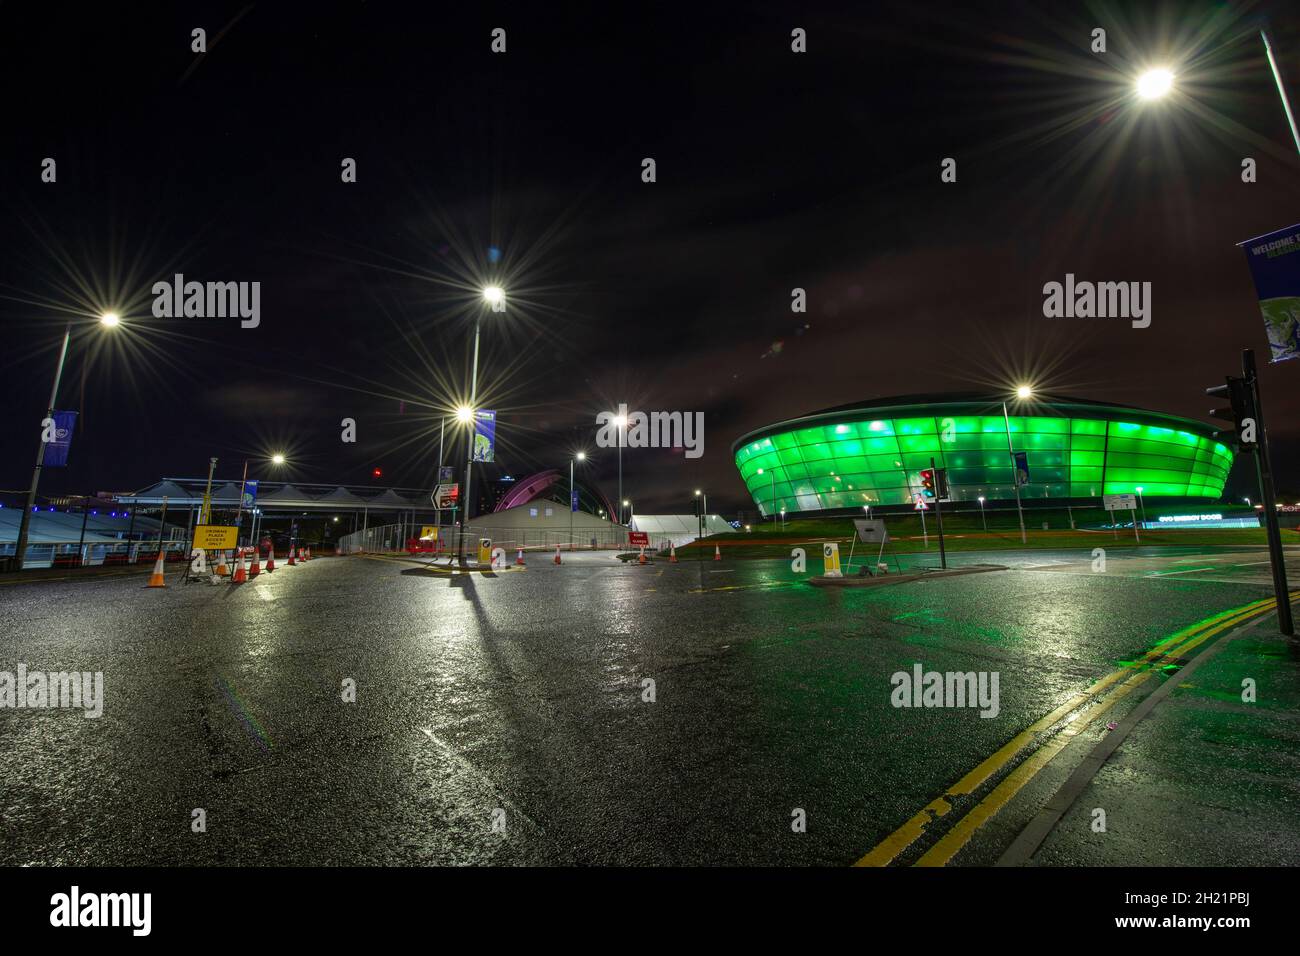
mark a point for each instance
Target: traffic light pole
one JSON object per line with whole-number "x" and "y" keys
{"x": 938, "y": 515}
{"x": 1265, "y": 469}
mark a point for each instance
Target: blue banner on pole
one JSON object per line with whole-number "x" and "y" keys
{"x": 60, "y": 440}
{"x": 250, "y": 495}
{"x": 573, "y": 500}
{"x": 1274, "y": 262}
{"x": 485, "y": 435}
{"x": 1022, "y": 468}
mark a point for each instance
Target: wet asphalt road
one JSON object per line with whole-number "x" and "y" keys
{"x": 523, "y": 694}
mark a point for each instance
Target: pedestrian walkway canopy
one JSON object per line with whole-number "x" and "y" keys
{"x": 187, "y": 492}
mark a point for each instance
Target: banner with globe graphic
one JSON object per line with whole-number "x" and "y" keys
{"x": 1274, "y": 262}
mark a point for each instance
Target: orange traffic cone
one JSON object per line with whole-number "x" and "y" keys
{"x": 641, "y": 559}
{"x": 156, "y": 579}
{"x": 255, "y": 568}
{"x": 672, "y": 553}
{"x": 717, "y": 553}
{"x": 520, "y": 559}
{"x": 557, "y": 554}
{"x": 292, "y": 562}
{"x": 241, "y": 568}
{"x": 270, "y": 559}
{"x": 221, "y": 564}
{"x": 306, "y": 554}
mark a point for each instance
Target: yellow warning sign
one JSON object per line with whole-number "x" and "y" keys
{"x": 831, "y": 557}
{"x": 214, "y": 537}
{"x": 428, "y": 533}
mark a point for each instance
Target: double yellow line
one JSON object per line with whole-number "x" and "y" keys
{"x": 1127, "y": 678}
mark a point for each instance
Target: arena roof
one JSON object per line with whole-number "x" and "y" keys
{"x": 871, "y": 453}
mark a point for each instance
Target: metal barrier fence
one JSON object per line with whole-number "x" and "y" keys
{"x": 69, "y": 554}
{"x": 391, "y": 539}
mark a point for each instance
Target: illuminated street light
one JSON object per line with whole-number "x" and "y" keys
{"x": 983, "y": 520}
{"x": 1154, "y": 84}
{"x": 20, "y": 546}
{"x": 621, "y": 422}
{"x": 760, "y": 471}
{"x": 1023, "y": 392}
{"x": 495, "y": 296}
{"x": 277, "y": 459}
{"x": 573, "y": 501}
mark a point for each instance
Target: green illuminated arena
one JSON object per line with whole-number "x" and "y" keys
{"x": 872, "y": 454}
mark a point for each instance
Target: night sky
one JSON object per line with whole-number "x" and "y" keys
{"x": 775, "y": 170}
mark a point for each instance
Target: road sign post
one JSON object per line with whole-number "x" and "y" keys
{"x": 1114, "y": 503}
{"x": 1264, "y": 468}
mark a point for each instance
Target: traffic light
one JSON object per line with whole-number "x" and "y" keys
{"x": 378, "y": 473}
{"x": 927, "y": 483}
{"x": 1241, "y": 412}
{"x": 941, "y": 483}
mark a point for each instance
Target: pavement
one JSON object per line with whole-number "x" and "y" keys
{"x": 693, "y": 713}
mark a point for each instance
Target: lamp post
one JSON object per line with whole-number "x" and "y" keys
{"x": 1023, "y": 392}
{"x": 1142, "y": 507}
{"x": 983, "y": 520}
{"x": 783, "y": 518}
{"x": 108, "y": 320}
{"x": 496, "y": 298}
{"x": 628, "y": 505}
{"x": 760, "y": 471}
{"x": 621, "y": 422}
{"x": 700, "y": 512}
{"x": 580, "y": 456}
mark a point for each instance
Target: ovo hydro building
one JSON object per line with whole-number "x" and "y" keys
{"x": 871, "y": 454}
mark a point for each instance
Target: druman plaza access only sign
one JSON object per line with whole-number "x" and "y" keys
{"x": 212, "y": 537}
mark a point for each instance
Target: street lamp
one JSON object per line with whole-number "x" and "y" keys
{"x": 108, "y": 320}
{"x": 277, "y": 459}
{"x": 1023, "y": 392}
{"x": 495, "y": 297}
{"x": 783, "y": 518}
{"x": 760, "y": 471}
{"x": 700, "y": 512}
{"x": 621, "y": 422}
{"x": 983, "y": 520}
{"x": 1142, "y": 507}
{"x": 628, "y": 505}
{"x": 573, "y": 504}
{"x": 1154, "y": 84}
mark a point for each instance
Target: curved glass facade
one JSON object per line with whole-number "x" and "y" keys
{"x": 852, "y": 458}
